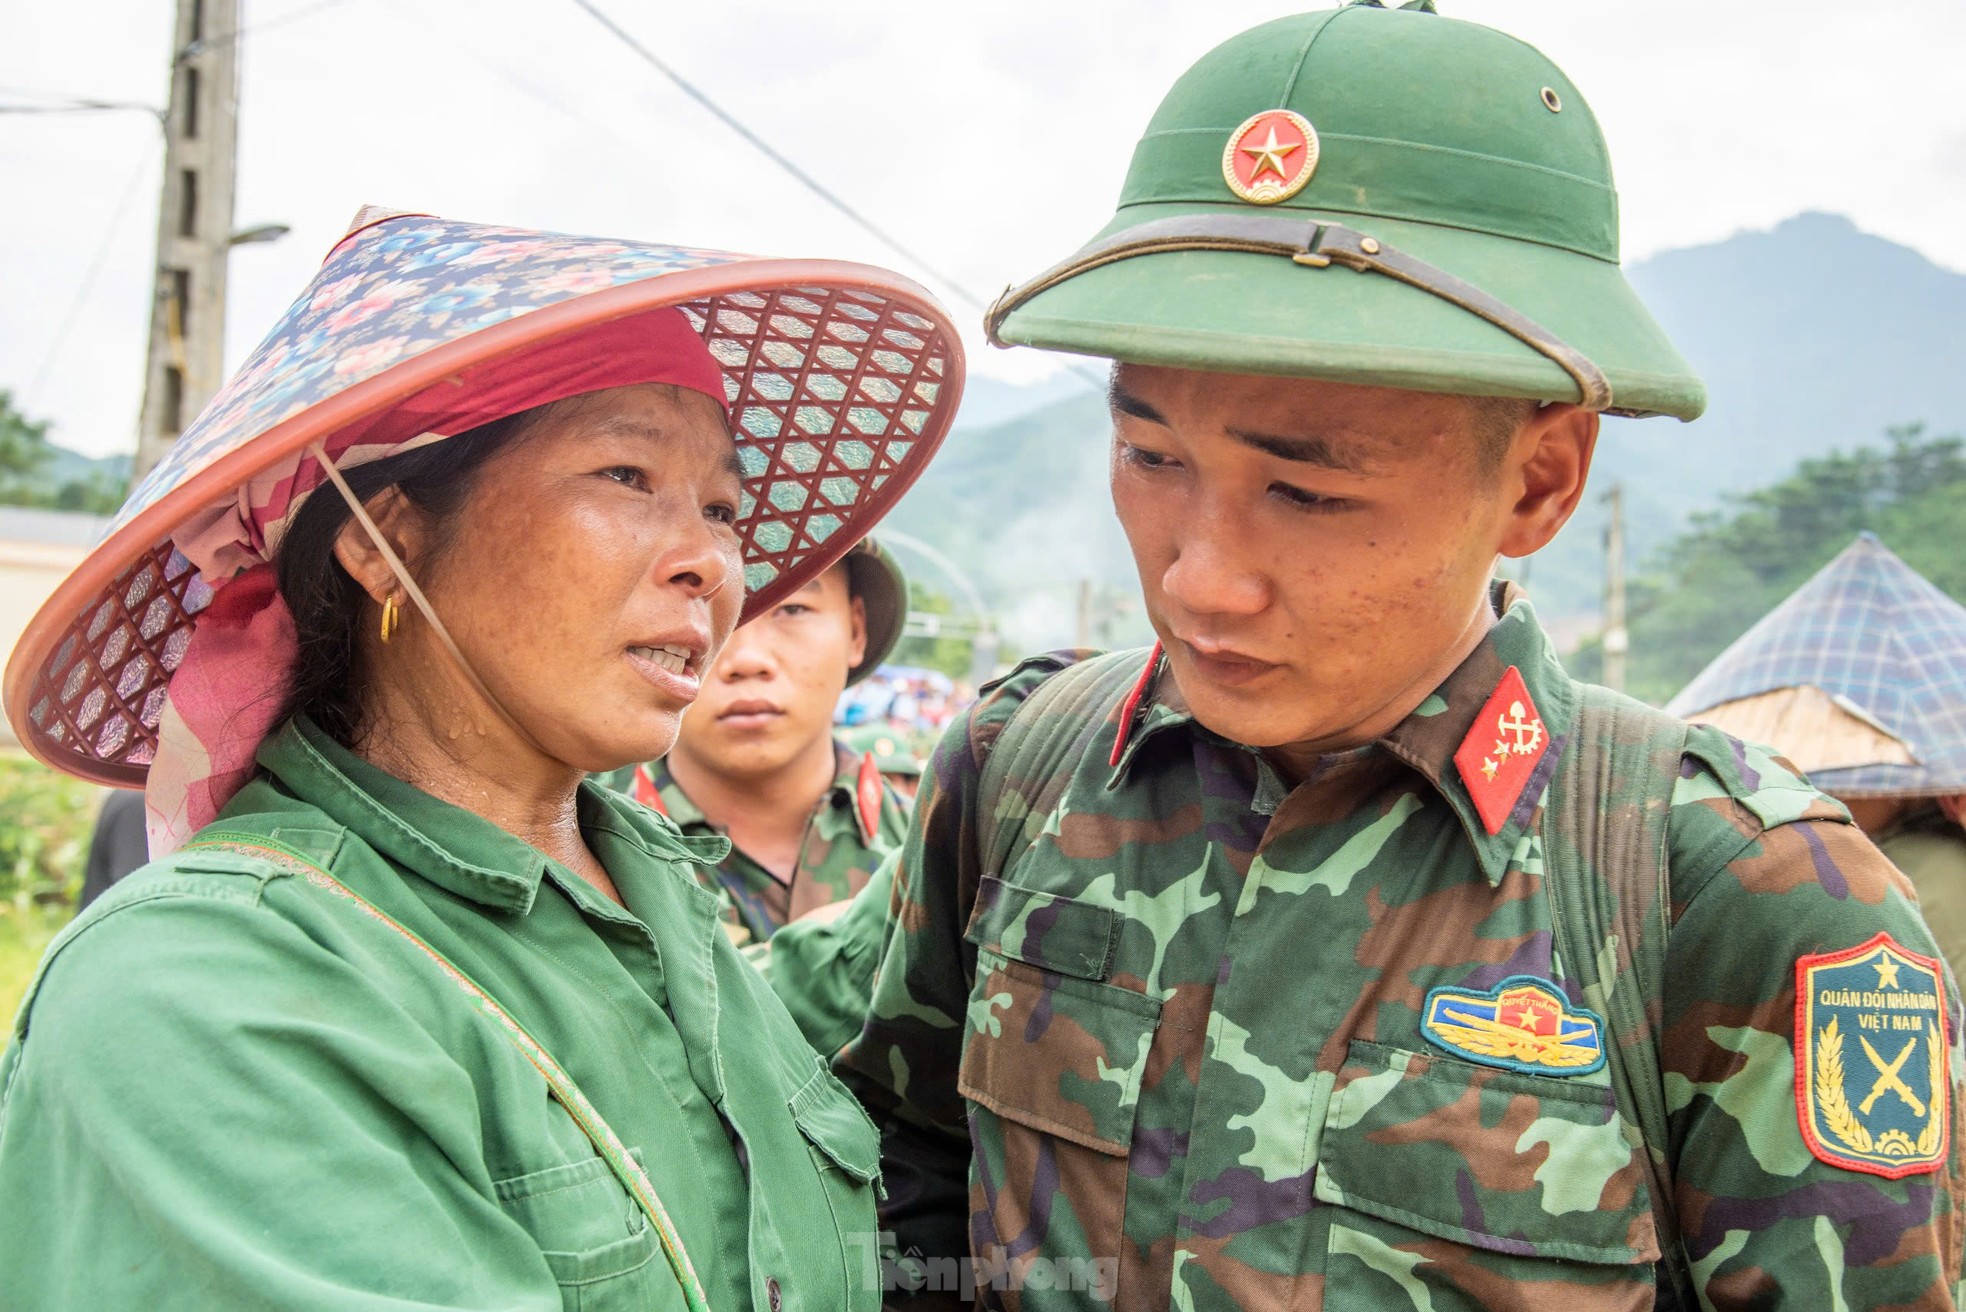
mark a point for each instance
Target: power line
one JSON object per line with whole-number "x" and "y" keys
{"x": 88, "y": 283}
{"x": 58, "y": 103}
{"x": 805, "y": 179}
{"x": 254, "y": 29}
{"x": 778, "y": 157}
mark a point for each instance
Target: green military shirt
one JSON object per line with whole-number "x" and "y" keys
{"x": 858, "y": 821}
{"x": 1174, "y": 1051}
{"x": 1931, "y": 850}
{"x": 230, "y": 1088}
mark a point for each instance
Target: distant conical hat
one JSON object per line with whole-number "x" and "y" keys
{"x": 1885, "y": 653}
{"x": 841, "y": 381}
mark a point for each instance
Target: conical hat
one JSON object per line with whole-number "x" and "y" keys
{"x": 1875, "y": 636}
{"x": 841, "y": 379}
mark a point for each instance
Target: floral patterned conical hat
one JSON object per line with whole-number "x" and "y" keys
{"x": 841, "y": 380}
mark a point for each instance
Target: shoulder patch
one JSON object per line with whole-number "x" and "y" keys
{"x": 1871, "y": 1080}
{"x": 1522, "y": 1024}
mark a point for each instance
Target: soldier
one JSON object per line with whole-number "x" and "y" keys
{"x": 894, "y": 753}
{"x": 809, "y": 819}
{"x": 1342, "y": 951}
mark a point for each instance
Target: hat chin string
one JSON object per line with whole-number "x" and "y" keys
{"x": 417, "y": 599}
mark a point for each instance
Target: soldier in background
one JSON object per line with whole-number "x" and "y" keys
{"x": 1342, "y": 951}
{"x": 894, "y": 755}
{"x": 809, "y": 818}
{"x": 1923, "y": 837}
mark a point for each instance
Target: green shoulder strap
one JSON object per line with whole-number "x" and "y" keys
{"x": 1063, "y": 719}
{"x": 1607, "y": 876}
{"x": 565, "y": 1092}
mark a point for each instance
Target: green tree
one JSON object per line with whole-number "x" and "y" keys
{"x": 947, "y": 652}
{"x": 24, "y": 452}
{"x": 98, "y": 493}
{"x": 1731, "y": 567}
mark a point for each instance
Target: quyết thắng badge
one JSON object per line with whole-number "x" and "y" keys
{"x": 1522, "y": 1024}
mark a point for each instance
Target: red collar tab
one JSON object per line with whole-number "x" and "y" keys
{"x": 647, "y": 793}
{"x": 867, "y": 799}
{"x": 1132, "y": 705}
{"x": 1499, "y": 756}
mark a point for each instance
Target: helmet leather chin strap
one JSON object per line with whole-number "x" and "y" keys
{"x": 421, "y": 602}
{"x": 1316, "y": 244}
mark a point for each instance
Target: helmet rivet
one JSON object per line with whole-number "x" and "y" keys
{"x": 1370, "y": 245}
{"x": 1552, "y": 101}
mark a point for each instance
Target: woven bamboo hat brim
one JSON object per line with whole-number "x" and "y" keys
{"x": 841, "y": 379}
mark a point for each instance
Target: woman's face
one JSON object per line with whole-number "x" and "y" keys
{"x": 594, "y": 571}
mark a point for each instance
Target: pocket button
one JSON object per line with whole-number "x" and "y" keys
{"x": 772, "y": 1294}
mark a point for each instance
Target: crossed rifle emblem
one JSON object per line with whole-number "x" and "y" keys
{"x": 1888, "y": 1079}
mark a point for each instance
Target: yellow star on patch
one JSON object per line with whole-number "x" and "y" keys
{"x": 1488, "y": 767}
{"x": 1269, "y": 155}
{"x": 1887, "y": 973}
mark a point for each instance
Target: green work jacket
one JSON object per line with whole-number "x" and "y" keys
{"x": 1215, "y": 1042}
{"x": 230, "y": 1088}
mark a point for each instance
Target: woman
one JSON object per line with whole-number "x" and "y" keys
{"x": 407, "y": 1014}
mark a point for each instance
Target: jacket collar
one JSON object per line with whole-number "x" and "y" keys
{"x": 455, "y": 849}
{"x": 1427, "y": 739}
{"x": 689, "y": 817}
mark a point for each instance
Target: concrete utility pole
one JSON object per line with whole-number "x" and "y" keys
{"x": 1617, "y": 639}
{"x": 194, "y": 225}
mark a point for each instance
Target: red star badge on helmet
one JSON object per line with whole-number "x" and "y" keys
{"x": 1270, "y": 157}
{"x": 1500, "y": 753}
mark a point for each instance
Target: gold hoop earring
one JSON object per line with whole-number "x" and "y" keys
{"x": 391, "y": 616}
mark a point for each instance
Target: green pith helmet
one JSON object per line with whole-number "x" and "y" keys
{"x": 875, "y": 578}
{"x": 1374, "y": 196}
{"x": 891, "y": 751}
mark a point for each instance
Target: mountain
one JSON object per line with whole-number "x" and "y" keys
{"x": 1812, "y": 337}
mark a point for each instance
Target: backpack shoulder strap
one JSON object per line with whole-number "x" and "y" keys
{"x": 1608, "y": 879}
{"x": 1038, "y": 751}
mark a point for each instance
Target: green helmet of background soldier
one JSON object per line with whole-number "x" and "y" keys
{"x": 1371, "y": 196}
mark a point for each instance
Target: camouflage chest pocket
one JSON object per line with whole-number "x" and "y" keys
{"x": 1482, "y": 1188}
{"x": 1050, "y": 1044}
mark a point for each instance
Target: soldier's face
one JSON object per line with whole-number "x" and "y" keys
{"x": 769, "y": 699}
{"x": 1315, "y": 556}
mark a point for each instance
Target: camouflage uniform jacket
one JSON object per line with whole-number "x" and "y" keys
{"x": 858, "y": 821}
{"x": 1177, "y": 1047}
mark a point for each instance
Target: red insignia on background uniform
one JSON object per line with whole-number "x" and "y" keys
{"x": 867, "y": 795}
{"x": 1131, "y": 706}
{"x": 1500, "y": 753}
{"x": 1270, "y": 157}
{"x": 647, "y": 793}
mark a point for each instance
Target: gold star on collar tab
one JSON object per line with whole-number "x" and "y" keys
{"x": 1270, "y": 157}
{"x": 1498, "y": 758}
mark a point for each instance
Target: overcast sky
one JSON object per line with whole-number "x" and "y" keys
{"x": 990, "y": 137}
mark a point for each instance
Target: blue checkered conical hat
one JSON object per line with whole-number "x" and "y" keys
{"x": 1873, "y": 633}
